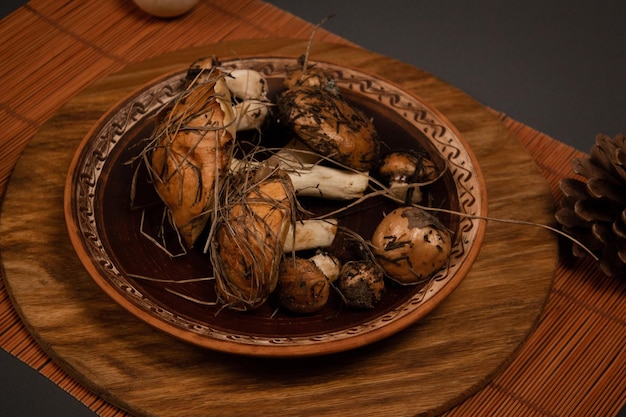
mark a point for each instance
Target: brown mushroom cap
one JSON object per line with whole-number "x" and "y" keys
{"x": 411, "y": 245}
{"x": 401, "y": 168}
{"x": 302, "y": 286}
{"x": 249, "y": 244}
{"x": 312, "y": 77}
{"x": 361, "y": 283}
{"x": 331, "y": 126}
{"x": 407, "y": 166}
{"x": 191, "y": 151}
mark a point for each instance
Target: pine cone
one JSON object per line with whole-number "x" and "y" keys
{"x": 594, "y": 212}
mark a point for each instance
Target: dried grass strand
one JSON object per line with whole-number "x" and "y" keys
{"x": 308, "y": 47}
{"x": 170, "y": 281}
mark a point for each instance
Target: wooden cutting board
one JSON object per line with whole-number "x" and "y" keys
{"x": 425, "y": 369}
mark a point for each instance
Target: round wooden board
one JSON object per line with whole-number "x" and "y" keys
{"x": 425, "y": 369}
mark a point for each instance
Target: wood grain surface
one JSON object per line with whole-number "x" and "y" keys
{"x": 425, "y": 369}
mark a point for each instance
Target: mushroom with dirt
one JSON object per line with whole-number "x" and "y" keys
{"x": 190, "y": 151}
{"x": 304, "y": 284}
{"x": 322, "y": 119}
{"x": 250, "y": 234}
{"x": 254, "y": 229}
{"x": 411, "y": 245}
{"x": 361, "y": 283}
{"x": 404, "y": 171}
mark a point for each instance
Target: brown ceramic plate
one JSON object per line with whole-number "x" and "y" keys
{"x": 104, "y": 226}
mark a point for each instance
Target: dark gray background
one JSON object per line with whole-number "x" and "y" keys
{"x": 558, "y": 66}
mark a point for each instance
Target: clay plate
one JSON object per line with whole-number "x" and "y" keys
{"x": 104, "y": 226}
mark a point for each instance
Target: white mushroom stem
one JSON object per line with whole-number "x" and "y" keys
{"x": 310, "y": 234}
{"x": 328, "y": 264}
{"x": 310, "y": 179}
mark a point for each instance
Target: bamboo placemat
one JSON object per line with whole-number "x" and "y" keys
{"x": 574, "y": 362}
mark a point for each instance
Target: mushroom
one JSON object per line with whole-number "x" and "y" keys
{"x": 404, "y": 170}
{"x": 330, "y": 125}
{"x": 302, "y": 286}
{"x": 361, "y": 283}
{"x": 247, "y": 87}
{"x": 309, "y": 178}
{"x": 411, "y": 245}
{"x": 190, "y": 151}
{"x": 248, "y": 248}
{"x": 249, "y": 91}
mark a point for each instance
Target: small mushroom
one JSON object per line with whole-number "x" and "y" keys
{"x": 199, "y": 69}
{"x": 411, "y": 245}
{"x": 400, "y": 169}
{"x": 361, "y": 283}
{"x": 302, "y": 286}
